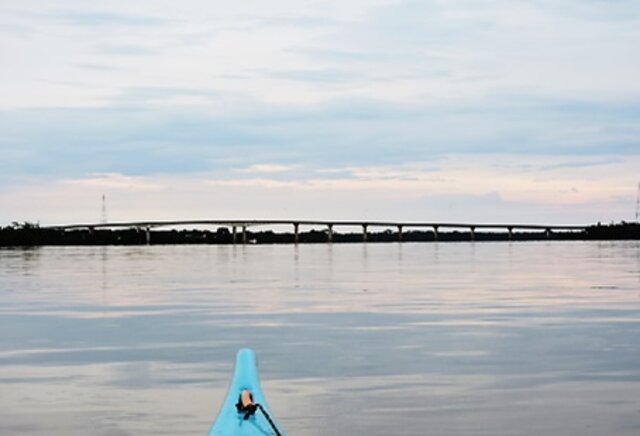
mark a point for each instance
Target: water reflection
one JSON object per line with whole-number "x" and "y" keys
{"x": 478, "y": 338}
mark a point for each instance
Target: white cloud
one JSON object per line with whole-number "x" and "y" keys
{"x": 267, "y": 168}
{"x": 115, "y": 181}
{"x": 401, "y": 51}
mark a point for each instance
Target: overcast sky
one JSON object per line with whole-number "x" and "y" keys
{"x": 488, "y": 111}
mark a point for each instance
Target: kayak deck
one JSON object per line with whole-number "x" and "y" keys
{"x": 231, "y": 421}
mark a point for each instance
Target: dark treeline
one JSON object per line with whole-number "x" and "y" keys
{"x": 28, "y": 234}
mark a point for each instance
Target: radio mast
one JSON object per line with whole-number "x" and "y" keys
{"x": 103, "y": 215}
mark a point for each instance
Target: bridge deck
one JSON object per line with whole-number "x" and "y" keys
{"x": 296, "y": 223}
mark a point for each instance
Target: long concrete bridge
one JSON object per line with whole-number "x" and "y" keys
{"x": 330, "y": 225}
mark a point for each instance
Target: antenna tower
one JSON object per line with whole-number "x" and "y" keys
{"x": 103, "y": 215}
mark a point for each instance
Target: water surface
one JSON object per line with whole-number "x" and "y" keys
{"x": 352, "y": 339}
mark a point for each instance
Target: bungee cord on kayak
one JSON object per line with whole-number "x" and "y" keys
{"x": 246, "y": 405}
{"x": 238, "y": 415}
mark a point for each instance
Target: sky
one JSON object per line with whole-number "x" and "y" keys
{"x": 468, "y": 111}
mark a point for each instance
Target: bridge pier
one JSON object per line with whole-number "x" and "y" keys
{"x": 472, "y": 231}
{"x": 148, "y": 235}
{"x": 435, "y": 233}
{"x": 233, "y": 234}
{"x": 510, "y": 229}
{"x": 399, "y": 233}
{"x": 364, "y": 232}
{"x": 296, "y": 235}
{"x": 547, "y": 233}
{"x": 244, "y": 234}
{"x": 329, "y": 232}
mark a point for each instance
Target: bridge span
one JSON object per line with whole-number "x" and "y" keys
{"x": 243, "y": 225}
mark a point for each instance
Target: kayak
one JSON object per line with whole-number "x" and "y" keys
{"x": 244, "y": 411}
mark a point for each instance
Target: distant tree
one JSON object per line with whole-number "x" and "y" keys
{"x": 26, "y": 225}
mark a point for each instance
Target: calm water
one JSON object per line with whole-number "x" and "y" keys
{"x": 389, "y": 339}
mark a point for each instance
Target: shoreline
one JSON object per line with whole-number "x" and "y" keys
{"x": 33, "y": 235}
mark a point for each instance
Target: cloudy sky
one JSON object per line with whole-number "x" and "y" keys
{"x": 488, "y": 111}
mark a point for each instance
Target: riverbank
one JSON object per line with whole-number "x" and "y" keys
{"x": 28, "y": 234}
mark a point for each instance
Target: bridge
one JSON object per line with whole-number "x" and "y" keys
{"x": 243, "y": 225}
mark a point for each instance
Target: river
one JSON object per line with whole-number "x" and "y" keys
{"x": 523, "y": 338}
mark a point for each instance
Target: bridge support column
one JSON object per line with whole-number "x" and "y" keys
{"x": 234, "y": 234}
{"x": 329, "y": 232}
{"x": 473, "y": 233}
{"x": 244, "y": 234}
{"x": 510, "y": 229}
{"x": 364, "y": 232}
{"x": 148, "y": 235}
{"x": 547, "y": 233}
{"x": 399, "y": 233}
{"x": 435, "y": 233}
{"x": 296, "y": 233}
